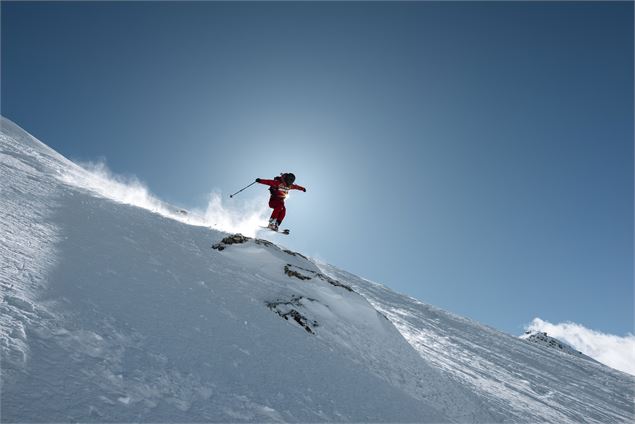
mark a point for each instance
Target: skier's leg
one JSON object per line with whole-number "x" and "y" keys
{"x": 281, "y": 213}
{"x": 278, "y": 211}
{"x": 273, "y": 205}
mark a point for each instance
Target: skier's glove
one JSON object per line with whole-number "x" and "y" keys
{"x": 304, "y": 189}
{"x": 257, "y": 180}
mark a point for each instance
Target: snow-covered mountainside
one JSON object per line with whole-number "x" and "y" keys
{"x": 114, "y": 313}
{"x": 518, "y": 381}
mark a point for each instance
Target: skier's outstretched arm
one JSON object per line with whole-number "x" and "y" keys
{"x": 297, "y": 187}
{"x": 272, "y": 183}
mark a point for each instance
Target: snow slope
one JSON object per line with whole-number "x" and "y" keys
{"x": 517, "y": 380}
{"x": 116, "y": 313}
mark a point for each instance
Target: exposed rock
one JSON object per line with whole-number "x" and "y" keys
{"x": 295, "y": 254}
{"x": 541, "y": 338}
{"x": 296, "y": 274}
{"x": 266, "y": 243}
{"x": 312, "y": 274}
{"x": 233, "y": 239}
{"x": 285, "y": 310}
{"x": 334, "y": 282}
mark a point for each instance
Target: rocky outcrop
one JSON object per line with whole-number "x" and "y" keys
{"x": 234, "y": 239}
{"x": 295, "y": 254}
{"x": 286, "y": 309}
{"x": 541, "y": 338}
{"x": 239, "y": 238}
{"x": 293, "y": 273}
{"x": 308, "y": 274}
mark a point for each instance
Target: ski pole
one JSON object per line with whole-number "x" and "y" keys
{"x": 232, "y": 195}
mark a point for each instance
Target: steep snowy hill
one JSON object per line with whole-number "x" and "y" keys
{"x": 114, "y": 313}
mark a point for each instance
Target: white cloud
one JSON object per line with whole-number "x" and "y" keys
{"x": 236, "y": 217}
{"x": 614, "y": 351}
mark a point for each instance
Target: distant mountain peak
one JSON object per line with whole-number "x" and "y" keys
{"x": 543, "y": 339}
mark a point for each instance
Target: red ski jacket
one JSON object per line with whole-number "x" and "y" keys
{"x": 280, "y": 189}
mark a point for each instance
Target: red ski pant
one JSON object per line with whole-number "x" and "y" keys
{"x": 279, "y": 211}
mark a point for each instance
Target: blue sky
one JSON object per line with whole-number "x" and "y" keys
{"x": 477, "y": 156}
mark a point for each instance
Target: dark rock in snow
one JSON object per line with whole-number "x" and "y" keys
{"x": 265, "y": 243}
{"x": 284, "y": 309}
{"x": 234, "y": 239}
{"x": 295, "y": 254}
{"x": 541, "y": 338}
{"x": 296, "y": 274}
{"x": 293, "y": 273}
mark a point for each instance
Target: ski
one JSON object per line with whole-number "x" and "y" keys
{"x": 286, "y": 231}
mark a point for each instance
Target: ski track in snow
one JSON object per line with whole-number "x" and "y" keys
{"x": 110, "y": 313}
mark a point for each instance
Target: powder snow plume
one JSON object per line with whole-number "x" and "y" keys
{"x": 242, "y": 217}
{"x": 247, "y": 218}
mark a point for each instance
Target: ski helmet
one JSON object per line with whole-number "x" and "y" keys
{"x": 288, "y": 178}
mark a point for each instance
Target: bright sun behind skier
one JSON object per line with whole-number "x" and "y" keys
{"x": 279, "y": 188}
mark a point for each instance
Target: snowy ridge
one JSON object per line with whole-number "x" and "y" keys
{"x": 116, "y": 313}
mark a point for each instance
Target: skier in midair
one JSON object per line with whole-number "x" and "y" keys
{"x": 279, "y": 188}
